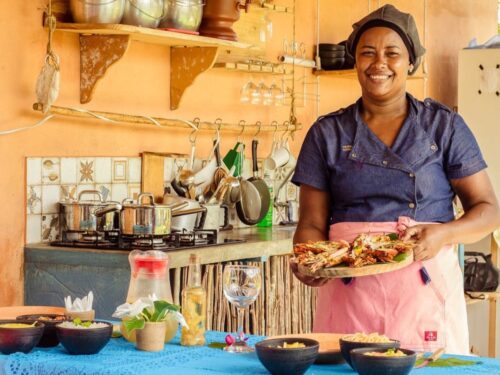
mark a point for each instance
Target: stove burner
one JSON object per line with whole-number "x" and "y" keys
{"x": 94, "y": 237}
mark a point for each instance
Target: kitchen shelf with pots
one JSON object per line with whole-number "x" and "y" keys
{"x": 350, "y": 74}
{"x": 110, "y": 42}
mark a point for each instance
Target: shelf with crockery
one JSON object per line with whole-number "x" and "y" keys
{"x": 351, "y": 74}
{"x": 110, "y": 42}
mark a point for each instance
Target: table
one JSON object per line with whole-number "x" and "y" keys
{"x": 120, "y": 357}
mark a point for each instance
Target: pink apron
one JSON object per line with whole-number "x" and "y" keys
{"x": 398, "y": 304}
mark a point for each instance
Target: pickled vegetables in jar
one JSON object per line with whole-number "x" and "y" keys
{"x": 194, "y": 306}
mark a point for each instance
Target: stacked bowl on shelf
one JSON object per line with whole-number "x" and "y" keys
{"x": 176, "y": 15}
{"x": 332, "y": 56}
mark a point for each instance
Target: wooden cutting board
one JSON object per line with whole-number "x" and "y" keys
{"x": 152, "y": 174}
{"x": 372, "y": 269}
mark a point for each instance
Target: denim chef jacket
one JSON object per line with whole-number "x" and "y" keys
{"x": 370, "y": 182}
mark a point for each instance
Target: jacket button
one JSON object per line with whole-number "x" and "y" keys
{"x": 354, "y": 155}
{"x": 434, "y": 147}
{"x": 384, "y": 162}
{"x": 411, "y": 205}
{"x": 411, "y": 175}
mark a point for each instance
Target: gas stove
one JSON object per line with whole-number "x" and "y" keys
{"x": 114, "y": 240}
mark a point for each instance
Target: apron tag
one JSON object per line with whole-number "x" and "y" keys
{"x": 430, "y": 335}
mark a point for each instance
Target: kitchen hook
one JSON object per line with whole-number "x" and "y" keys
{"x": 242, "y": 124}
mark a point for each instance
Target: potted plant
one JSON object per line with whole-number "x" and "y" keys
{"x": 147, "y": 315}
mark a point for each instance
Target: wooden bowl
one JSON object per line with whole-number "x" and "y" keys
{"x": 19, "y": 339}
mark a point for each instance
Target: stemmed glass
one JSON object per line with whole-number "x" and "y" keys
{"x": 241, "y": 286}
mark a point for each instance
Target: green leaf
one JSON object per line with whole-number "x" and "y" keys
{"x": 447, "y": 362}
{"x": 217, "y": 345}
{"x": 133, "y": 324}
{"x": 393, "y": 236}
{"x": 400, "y": 257}
{"x": 161, "y": 310}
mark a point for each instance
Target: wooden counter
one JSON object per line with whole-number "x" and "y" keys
{"x": 284, "y": 306}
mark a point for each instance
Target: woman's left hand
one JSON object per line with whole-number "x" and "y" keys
{"x": 428, "y": 238}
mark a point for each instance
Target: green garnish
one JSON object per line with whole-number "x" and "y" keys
{"x": 217, "y": 345}
{"x": 393, "y": 236}
{"x": 78, "y": 322}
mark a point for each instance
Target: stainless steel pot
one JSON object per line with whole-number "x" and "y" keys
{"x": 80, "y": 215}
{"x": 183, "y": 14}
{"x": 138, "y": 218}
{"x": 97, "y": 11}
{"x": 191, "y": 217}
{"x": 145, "y": 13}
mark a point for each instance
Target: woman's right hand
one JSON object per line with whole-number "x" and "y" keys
{"x": 308, "y": 280}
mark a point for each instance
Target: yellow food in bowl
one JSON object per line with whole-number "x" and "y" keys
{"x": 363, "y": 337}
{"x": 16, "y": 325}
{"x": 292, "y": 345}
{"x": 388, "y": 353}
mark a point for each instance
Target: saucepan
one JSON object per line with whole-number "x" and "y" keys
{"x": 80, "y": 214}
{"x": 189, "y": 217}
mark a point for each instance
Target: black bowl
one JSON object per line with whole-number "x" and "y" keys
{"x": 332, "y": 63}
{"x": 292, "y": 361}
{"x": 347, "y": 346}
{"x": 331, "y": 54}
{"x": 374, "y": 365}
{"x": 85, "y": 340}
{"x": 330, "y": 47}
{"x": 49, "y": 337}
{"x": 19, "y": 339}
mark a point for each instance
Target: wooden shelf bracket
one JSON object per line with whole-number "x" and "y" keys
{"x": 187, "y": 63}
{"x": 97, "y": 54}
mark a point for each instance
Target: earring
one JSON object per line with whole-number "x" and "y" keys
{"x": 410, "y": 70}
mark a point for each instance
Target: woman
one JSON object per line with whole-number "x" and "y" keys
{"x": 391, "y": 163}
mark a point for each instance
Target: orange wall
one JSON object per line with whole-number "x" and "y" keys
{"x": 139, "y": 84}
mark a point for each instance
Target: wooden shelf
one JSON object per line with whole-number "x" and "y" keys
{"x": 102, "y": 45}
{"x": 481, "y": 297}
{"x": 349, "y": 74}
{"x": 249, "y": 67}
{"x": 147, "y": 35}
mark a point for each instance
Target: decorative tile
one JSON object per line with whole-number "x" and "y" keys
{"x": 105, "y": 190}
{"x": 50, "y": 198}
{"x": 179, "y": 163}
{"x": 120, "y": 172}
{"x": 134, "y": 170}
{"x": 33, "y": 228}
{"x": 69, "y": 171}
{"x": 103, "y": 170}
{"x": 33, "y": 171}
{"x": 50, "y": 228}
{"x": 119, "y": 192}
{"x": 291, "y": 191}
{"x": 34, "y": 199}
{"x": 168, "y": 169}
{"x": 134, "y": 190}
{"x": 68, "y": 192}
{"x": 86, "y": 170}
{"x": 50, "y": 171}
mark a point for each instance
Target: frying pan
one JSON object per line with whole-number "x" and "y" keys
{"x": 254, "y": 195}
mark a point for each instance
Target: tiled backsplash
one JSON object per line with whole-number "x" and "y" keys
{"x": 52, "y": 179}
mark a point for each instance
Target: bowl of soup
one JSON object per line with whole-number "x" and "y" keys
{"x": 19, "y": 335}
{"x": 374, "y": 361}
{"x": 49, "y": 337}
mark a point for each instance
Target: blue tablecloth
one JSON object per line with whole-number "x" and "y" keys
{"x": 120, "y": 357}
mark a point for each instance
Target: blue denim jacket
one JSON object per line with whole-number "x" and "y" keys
{"x": 369, "y": 181}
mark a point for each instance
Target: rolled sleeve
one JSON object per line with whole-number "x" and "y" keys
{"x": 311, "y": 168}
{"x": 464, "y": 157}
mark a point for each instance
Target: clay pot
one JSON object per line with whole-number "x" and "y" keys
{"x": 152, "y": 337}
{"x": 219, "y": 16}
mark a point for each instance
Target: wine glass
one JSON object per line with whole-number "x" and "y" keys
{"x": 241, "y": 286}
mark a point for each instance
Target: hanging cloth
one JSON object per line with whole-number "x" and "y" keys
{"x": 47, "y": 85}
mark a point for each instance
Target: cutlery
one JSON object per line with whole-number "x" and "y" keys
{"x": 433, "y": 357}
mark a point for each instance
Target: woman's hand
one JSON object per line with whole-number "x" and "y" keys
{"x": 428, "y": 238}
{"x": 308, "y": 280}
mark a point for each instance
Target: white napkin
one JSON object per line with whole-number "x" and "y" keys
{"x": 84, "y": 304}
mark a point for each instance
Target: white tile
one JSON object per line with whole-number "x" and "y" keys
{"x": 34, "y": 199}
{"x": 33, "y": 228}
{"x": 86, "y": 170}
{"x": 120, "y": 172}
{"x": 50, "y": 171}
{"x": 103, "y": 170}
{"x": 134, "y": 190}
{"x": 119, "y": 192}
{"x": 50, "y": 228}
{"x": 33, "y": 171}
{"x": 68, "y": 171}
{"x": 50, "y": 197}
{"x": 134, "y": 170}
{"x": 86, "y": 196}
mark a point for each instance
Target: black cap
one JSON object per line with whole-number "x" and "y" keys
{"x": 389, "y": 16}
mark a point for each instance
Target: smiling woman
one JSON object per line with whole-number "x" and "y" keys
{"x": 392, "y": 163}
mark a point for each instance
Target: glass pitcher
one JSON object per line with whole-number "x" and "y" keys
{"x": 149, "y": 273}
